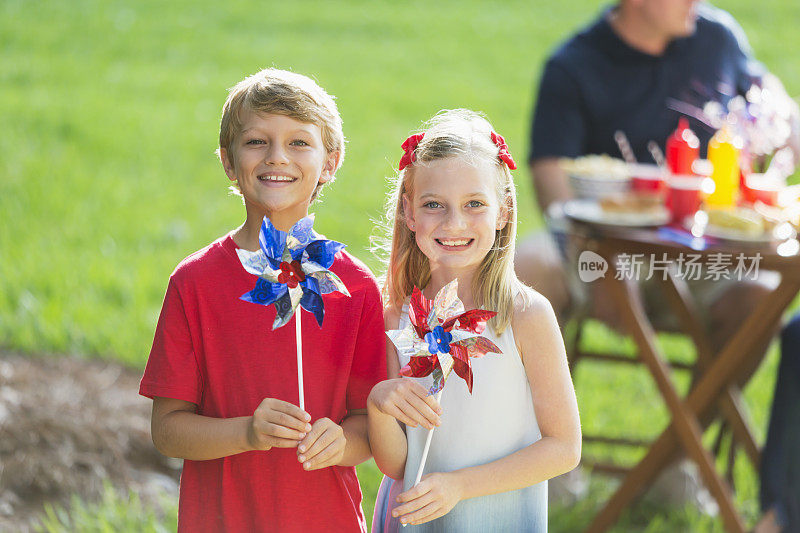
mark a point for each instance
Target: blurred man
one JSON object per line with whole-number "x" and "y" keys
{"x": 638, "y": 68}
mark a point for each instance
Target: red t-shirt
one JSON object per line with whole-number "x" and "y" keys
{"x": 220, "y": 352}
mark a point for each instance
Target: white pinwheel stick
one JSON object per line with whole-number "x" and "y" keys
{"x": 427, "y": 446}
{"x": 298, "y": 329}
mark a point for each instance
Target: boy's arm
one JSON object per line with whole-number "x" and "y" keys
{"x": 355, "y": 431}
{"x": 178, "y": 431}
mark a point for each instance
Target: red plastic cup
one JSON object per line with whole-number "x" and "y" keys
{"x": 683, "y": 196}
{"x": 758, "y": 188}
{"x": 648, "y": 178}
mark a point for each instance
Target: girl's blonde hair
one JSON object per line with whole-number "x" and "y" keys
{"x": 467, "y": 135}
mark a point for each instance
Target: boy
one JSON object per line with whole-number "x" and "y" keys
{"x": 224, "y": 384}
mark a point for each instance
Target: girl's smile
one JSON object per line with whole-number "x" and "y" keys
{"x": 455, "y": 245}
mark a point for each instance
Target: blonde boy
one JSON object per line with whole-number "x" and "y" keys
{"x": 224, "y": 384}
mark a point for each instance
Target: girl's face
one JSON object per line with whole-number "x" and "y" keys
{"x": 454, "y": 212}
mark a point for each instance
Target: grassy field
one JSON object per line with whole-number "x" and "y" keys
{"x": 110, "y": 114}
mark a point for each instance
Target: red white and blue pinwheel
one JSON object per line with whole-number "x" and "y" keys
{"x": 292, "y": 269}
{"x": 441, "y": 337}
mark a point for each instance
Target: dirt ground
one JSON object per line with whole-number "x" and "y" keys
{"x": 67, "y": 425}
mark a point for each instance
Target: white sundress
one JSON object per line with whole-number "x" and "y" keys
{"x": 497, "y": 419}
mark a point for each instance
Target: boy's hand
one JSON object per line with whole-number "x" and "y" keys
{"x": 434, "y": 496}
{"x": 277, "y": 423}
{"x": 407, "y": 401}
{"x": 323, "y": 446}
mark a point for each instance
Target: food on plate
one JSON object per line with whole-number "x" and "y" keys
{"x": 632, "y": 203}
{"x": 739, "y": 219}
{"x": 601, "y": 166}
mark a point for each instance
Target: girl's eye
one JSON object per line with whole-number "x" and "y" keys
{"x": 475, "y": 203}
{"x": 432, "y": 204}
{"x": 299, "y": 142}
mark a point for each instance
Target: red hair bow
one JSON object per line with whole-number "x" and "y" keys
{"x": 504, "y": 154}
{"x": 409, "y": 146}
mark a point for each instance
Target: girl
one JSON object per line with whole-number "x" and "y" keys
{"x": 453, "y": 215}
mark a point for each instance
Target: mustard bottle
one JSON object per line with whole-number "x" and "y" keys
{"x": 723, "y": 152}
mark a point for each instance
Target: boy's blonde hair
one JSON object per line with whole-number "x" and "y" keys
{"x": 467, "y": 135}
{"x": 279, "y": 92}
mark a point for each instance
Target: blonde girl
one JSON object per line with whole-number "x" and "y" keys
{"x": 453, "y": 215}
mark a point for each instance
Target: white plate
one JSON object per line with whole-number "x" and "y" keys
{"x": 590, "y": 211}
{"x": 727, "y": 234}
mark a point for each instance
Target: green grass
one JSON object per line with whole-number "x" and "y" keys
{"x": 114, "y": 512}
{"x": 110, "y": 113}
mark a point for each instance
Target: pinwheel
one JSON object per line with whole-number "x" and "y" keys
{"x": 441, "y": 338}
{"x": 292, "y": 269}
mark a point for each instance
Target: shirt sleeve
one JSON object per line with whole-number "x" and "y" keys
{"x": 369, "y": 360}
{"x": 749, "y": 70}
{"x": 558, "y": 128}
{"x": 172, "y": 370}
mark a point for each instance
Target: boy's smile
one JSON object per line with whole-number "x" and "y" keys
{"x": 454, "y": 213}
{"x": 278, "y": 162}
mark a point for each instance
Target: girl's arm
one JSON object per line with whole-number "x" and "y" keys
{"x": 558, "y": 451}
{"x": 391, "y": 402}
{"x": 178, "y": 431}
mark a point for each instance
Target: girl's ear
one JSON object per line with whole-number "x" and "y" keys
{"x": 503, "y": 216}
{"x": 227, "y": 164}
{"x": 408, "y": 213}
{"x": 331, "y": 164}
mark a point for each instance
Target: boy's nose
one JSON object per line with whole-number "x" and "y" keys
{"x": 276, "y": 155}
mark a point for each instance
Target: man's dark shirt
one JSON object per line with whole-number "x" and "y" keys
{"x": 595, "y": 84}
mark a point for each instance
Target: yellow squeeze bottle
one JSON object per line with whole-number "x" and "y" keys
{"x": 723, "y": 152}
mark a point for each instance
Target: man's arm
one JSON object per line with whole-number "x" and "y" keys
{"x": 550, "y": 182}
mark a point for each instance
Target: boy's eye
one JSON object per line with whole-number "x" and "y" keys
{"x": 475, "y": 203}
{"x": 255, "y": 141}
{"x": 299, "y": 142}
{"x": 432, "y": 204}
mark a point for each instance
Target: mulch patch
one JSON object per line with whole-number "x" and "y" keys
{"x": 67, "y": 425}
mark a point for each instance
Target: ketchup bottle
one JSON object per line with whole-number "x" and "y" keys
{"x": 683, "y": 149}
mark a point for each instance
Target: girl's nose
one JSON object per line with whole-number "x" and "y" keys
{"x": 455, "y": 220}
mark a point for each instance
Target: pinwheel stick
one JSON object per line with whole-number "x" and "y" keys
{"x": 299, "y": 336}
{"x": 427, "y": 446}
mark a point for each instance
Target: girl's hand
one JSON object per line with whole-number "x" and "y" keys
{"x": 277, "y": 423}
{"x": 405, "y": 400}
{"x": 323, "y": 446}
{"x": 434, "y": 496}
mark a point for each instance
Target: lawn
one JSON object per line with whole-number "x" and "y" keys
{"x": 110, "y": 114}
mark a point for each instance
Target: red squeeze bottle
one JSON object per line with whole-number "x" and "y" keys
{"x": 683, "y": 149}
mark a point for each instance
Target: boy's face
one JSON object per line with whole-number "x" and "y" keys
{"x": 278, "y": 162}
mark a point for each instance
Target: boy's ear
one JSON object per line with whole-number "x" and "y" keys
{"x": 408, "y": 213}
{"x": 227, "y": 164}
{"x": 331, "y": 164}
